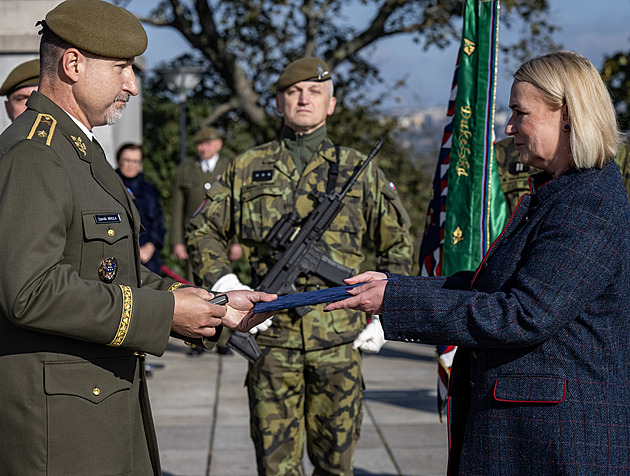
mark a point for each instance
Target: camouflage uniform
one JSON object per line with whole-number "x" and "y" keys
{"x": 309, "y": 377}
{"x": 514, "y": 175}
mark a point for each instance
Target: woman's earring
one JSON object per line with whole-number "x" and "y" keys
{"x": 566, "y": 128}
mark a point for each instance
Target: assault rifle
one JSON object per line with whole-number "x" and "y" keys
{"x": 296, "y": 241}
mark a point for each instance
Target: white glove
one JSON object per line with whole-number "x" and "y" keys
{"x": 263, "y": 326}
{"x": 372, "y": 338}
{"x": 230, "y": 282}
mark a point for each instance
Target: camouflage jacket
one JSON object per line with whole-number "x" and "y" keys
{"x": 259, "y": 187}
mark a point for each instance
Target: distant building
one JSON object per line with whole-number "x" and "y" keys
{"x": 19, "y": 42}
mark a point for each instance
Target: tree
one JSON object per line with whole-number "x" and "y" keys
{"x": 616, "y": 75}
{"x": 246, "y": 44}
{"x": 243, "y": 47}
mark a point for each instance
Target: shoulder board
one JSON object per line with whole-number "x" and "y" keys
{"x": 43, "y": 128}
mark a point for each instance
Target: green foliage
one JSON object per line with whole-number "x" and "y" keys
{"x": 243, "y": 46}
{"x": 616, "y": 75}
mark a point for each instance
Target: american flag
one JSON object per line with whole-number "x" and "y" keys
{"x": 467, "y": 211}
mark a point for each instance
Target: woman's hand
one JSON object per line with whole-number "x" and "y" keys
{"x": 367, "y": 297}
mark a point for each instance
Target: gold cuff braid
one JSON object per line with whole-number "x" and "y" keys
{"x": 125, "y": 320}
{"x": 175, "y": 286}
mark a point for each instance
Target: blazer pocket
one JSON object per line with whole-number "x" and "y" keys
{"x": 89, "y": 416}
{"x": 530, "y": 389}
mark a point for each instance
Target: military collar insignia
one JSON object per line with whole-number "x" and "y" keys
{"x": 80, "y": 145}
{"x": 43, "y": 128}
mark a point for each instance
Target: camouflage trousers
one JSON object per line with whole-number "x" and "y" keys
{"x": 293, "y": 393}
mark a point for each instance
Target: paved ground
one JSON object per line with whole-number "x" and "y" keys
{"x": 200, "y": 411}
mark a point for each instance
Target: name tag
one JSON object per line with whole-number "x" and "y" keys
{"x": 262, "y": 175}
{"x": 109, "y": 218}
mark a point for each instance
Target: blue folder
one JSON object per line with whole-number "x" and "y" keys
{"x": 290, "y": 301}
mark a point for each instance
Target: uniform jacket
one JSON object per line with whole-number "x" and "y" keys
{"x": 259, "y": 187}
{"x": 189, "y": 190}
{"x": 73, "y": 398}
{"x": 540, "y": 382}
{"x": 146, "y": 198}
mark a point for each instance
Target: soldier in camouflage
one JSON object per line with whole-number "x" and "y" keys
{"x": 308, "y": 379}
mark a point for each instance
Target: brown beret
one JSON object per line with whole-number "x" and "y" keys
{"x": 98, "y": 27}
{"x": 207, "y": 133}
{"x": 304, "y": 69}
{"x": 23, "y": 75}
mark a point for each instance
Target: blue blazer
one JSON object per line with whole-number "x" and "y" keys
{"x": 540, "y": 381}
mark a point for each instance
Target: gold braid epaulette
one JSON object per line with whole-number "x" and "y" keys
{"x": 43, "y": 128}
{"x": 175, "y": 286}
{"x": 125, "y": 319}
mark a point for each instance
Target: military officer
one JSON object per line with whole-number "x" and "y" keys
{"x": 308, "y": 378}
{"x": 18, "y": 86}
{"x": 194, "y": 178}
{"x": 77, "y": 310}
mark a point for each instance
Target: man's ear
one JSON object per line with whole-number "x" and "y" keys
{"x": 280, "y": 105}
{"x": 71, "y": 63}
{"x": 331, "y": 105}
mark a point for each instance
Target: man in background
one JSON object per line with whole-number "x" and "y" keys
{"x": 194, "y": 178}
{"x": 18, "y": 86}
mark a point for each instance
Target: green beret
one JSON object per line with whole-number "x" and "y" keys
{"x": 206, "y": 134}
{"x": 98, "y": 27}
{"x": 23, "y": 75}
{"x": 304, "y": 69}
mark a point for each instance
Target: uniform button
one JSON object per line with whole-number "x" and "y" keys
{"x": 96, "y": 391}
{"x": 207, "y": 186}
{"x": 111, "y": 232}
{"x": 139, "y": 354}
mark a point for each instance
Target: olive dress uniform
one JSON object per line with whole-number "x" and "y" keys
{"x": 189, "y": 190}
{"x": 308, "y": 378}
{"x": 77, "y": 309}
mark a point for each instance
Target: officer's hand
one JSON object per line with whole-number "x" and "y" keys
{"x": 372, "y": 338}
{"x": 239, "y": 315}
{"x": 194, "y": 316}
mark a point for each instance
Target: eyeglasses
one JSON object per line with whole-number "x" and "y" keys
{"x": 131, "y": 161}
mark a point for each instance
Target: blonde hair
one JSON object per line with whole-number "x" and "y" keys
{"x": 566, "y": 77}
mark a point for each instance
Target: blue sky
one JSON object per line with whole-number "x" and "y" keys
{"x": 592, "y": 28}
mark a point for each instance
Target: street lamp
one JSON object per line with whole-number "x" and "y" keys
{"x": 180, "y": 81}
